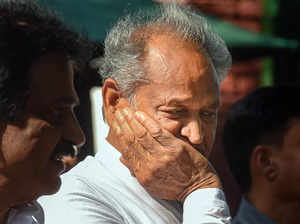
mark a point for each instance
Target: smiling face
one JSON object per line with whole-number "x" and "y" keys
{"x": 183, "y": 93}
{"x": 27, "y": 162}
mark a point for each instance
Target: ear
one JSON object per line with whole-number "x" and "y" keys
{"x": 110, "y": 96}
{"x": 263, "y": 163}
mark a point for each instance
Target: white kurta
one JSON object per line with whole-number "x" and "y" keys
{"x": 101, "y": 190}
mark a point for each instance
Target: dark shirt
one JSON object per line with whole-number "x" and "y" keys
{"x": 248, "y": 214}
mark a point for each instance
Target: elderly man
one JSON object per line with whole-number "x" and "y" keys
{"x": 168, "y": 65}
{"x": 37, "y": 98}
{"x": 262, "y": 143}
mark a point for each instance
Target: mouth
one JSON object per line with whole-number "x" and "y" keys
{"x": 63, "y": 149}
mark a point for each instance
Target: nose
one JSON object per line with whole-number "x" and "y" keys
{"x": 193, "y": 132}
{"x": 73, "y": 132}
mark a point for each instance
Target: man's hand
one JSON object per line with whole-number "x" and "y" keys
{"x": 165, "y": 166}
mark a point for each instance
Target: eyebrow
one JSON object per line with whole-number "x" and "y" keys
{"x": 179, "y": 101}
{"x": 176, "y": 101}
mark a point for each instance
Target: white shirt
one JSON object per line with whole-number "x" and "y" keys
{"x": 101, "y": 190}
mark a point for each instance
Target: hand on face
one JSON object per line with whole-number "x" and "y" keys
{"x": 165, "y": 166}
{"x": 25, "y": 158}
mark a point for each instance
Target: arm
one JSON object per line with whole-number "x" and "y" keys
{"x": 170, "y": 168}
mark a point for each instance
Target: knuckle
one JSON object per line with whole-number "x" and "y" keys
{"x": 166, "y": 162}
{"x": 141, "y": 134}
{"x": 173, "y": 154}
{"x": 179, "y": 152}
{"x": 131, "y": 139}
{"x": 155, "y": 131}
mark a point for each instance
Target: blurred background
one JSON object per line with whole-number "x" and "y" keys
{"x": 262, "y": 35}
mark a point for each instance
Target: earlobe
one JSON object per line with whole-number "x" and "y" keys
{"x": 264, "y": 162}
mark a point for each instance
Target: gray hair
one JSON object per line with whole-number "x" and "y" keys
{"x": 124, "y": 49}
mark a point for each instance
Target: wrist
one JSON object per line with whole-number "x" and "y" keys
{"x": 211, "y": 180}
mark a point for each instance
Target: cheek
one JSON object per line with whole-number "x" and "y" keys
{"x": 172, "y": 126}
{"x": 210, "y": 132}
{"x": 288, "y": 167}
{"x": 288, "y": 172}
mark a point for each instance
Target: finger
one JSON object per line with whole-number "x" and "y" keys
{"x": 116, "y": 129}
{"x": 142, "y": 136}
{"x": 126, "y": 154}
{"x": 131, "y": 150}
{"x": 138, "y": 135}
{"x": 139, "y": 130}
{"x": 161, "y": 135}
{"x": 126, "y": 131}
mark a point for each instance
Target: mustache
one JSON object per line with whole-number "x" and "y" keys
{"x": 65, "y": 148}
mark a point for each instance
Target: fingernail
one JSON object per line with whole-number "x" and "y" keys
{"x": 117, "y": 128}
{"x": 119, "y": 116}
{"x": 140, "y": 115}
{"x": 127, "y": 112}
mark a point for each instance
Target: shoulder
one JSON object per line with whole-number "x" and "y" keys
{"x": 84, "y": 195}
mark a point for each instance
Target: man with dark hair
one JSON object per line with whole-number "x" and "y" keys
{"x": 37, "y": 99}
{"x": 262, "y": 143}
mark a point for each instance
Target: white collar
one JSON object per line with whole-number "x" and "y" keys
{"x": 110, "y": 158}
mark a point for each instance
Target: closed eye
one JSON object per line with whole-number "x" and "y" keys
{"x": 173, "y": 113}
{"x": 176, "y": 111}
{"x": 208, "y": 114}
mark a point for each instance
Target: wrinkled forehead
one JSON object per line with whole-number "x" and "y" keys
{"x": 174, "y": 59}
{"x": 178, "y": 71}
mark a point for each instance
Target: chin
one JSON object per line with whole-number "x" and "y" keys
{"x": 51, "y": 186}
{"x": 34, "y": 191}
{"x": 47, "y": 187}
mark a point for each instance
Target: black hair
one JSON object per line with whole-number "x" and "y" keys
{"x": 88, "y": 76}
{"x": 28, "y": 31}
{"x": 259, "y": 118}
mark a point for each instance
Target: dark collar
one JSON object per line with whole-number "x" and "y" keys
{"x": 248, "y": 214}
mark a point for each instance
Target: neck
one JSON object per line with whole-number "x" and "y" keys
{"x": 279, "y": 210}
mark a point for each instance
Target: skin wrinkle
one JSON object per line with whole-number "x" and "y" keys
{"x": 180, "y": 78}
{"x": 156, "y": 53}
{"x": 182, "y": 87}
{"x": 158, "y": 59}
